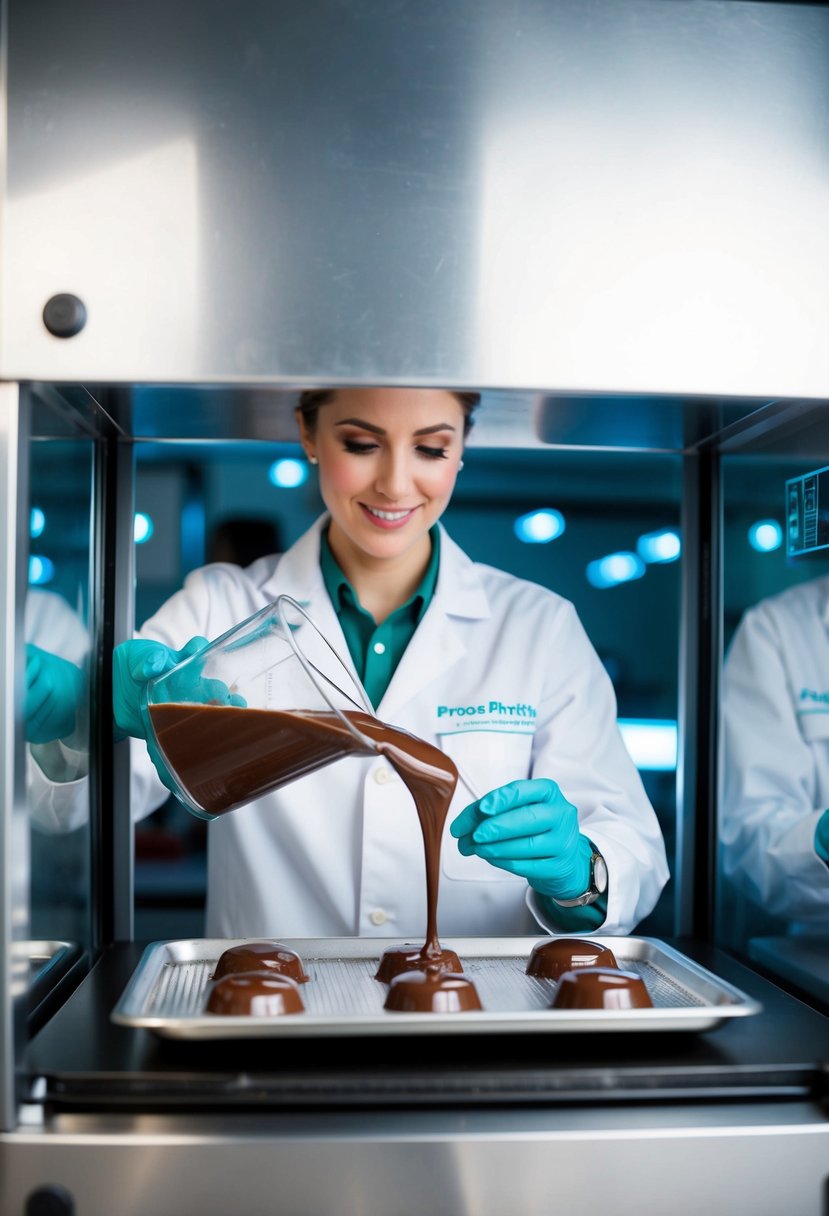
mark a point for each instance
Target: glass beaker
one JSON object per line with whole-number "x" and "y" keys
{"x": 267, "y": 702}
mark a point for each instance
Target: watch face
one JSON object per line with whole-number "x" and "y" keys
{"x": 599, "y": 874}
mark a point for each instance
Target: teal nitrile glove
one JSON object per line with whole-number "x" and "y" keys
{"x": 133, "y": 664}
{"x": 54, "y": 688}
{"x": 528, "y": 828}
{"x": 822, "y": 837}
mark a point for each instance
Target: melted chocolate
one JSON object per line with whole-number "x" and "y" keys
{"x": 550, "y": 959}
{"x": 272, "y": 957}
{"x": 399, "y": 959}
{"x": 431, "y": 777}
{"x": 256, "y": 994}
{"x": 227, "y": 755}
{"x": 601, "y": 988}
{"x": 431, "y": 991}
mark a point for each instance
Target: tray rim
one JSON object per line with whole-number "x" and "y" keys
{"x": 128, "y": 1011}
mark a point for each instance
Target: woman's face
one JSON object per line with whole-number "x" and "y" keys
{"x": 388, "y": 459}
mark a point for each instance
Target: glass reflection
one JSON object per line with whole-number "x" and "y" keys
{"x": 56, "y": 704}
{"x": 774, "y": 822}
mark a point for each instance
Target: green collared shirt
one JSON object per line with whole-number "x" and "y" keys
{"x": 377, "y": 649}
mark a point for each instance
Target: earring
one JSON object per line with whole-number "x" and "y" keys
{"x": 312, "y": 460}
{"x": 460, "y": 465}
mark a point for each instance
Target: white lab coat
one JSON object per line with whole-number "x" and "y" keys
{"x": 501, "y": 675}
{"x": 776, "y": 754}
{"x": 339, "y": 852}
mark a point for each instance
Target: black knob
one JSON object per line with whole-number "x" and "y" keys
{"x": 50, "y": 1201}
{"x": 64, "y": 315}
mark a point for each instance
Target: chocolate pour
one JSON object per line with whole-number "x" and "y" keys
{"x": 224, "y": 756}
{"x": 431, "y": 778}
{"x": 397, "y": 960}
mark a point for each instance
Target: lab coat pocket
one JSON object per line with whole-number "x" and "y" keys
{"x": 814, "y": 726}
{"x": 485, "y": 760}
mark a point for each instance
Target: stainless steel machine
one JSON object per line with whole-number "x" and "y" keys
{"x": 609, "y": 217}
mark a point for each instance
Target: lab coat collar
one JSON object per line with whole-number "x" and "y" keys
{"x": 438, "y": 640}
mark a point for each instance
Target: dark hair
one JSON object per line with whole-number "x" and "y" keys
{"x": 311, "y": 400}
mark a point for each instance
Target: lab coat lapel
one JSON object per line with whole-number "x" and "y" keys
{"x": 438, "y": 642}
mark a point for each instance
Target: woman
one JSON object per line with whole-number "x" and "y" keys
{"x": 550, "y": 823}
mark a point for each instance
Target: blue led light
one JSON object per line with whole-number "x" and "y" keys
{"x": 142, "y": 528}
{"x": 288, "y": 473}
{"x": 661, "y": 546}
{"x": 37, "y": 522}
{"x": 614, "y": 569}
{"x": 539, "y": 527}
{"x": 765, "y": 535}
{"x": 651, "y": 742}
{"x": 41, "y": 570}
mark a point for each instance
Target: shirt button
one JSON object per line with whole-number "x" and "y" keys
{"x": 382, "y": 775}
{"x": 379, "y": 648}
{"x": 378, "y": 917}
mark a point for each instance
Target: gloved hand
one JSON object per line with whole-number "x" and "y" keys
{"x": 133, "y": 664}
{"x": 528, "y": 828}
{"x": 822, "y": 837}
{"x": 54, "y": 688}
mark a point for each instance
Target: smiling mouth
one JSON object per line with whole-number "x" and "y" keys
{"x": 389, "y": 517}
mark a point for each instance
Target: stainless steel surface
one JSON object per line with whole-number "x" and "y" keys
{"x": 578, "y": 195}
{"x": 643, "y": 1161}
{"x": 802, "y": 959}
{"x": 168, "y": 991}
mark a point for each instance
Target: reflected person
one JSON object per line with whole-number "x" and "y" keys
{"x": 55, "y": 706}
{"x": 775, "y": 824}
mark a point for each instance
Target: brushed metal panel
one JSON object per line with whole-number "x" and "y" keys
{"x": 572, "y": 194}
{"x": 764, "y": 1159}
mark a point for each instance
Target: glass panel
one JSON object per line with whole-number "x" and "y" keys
{"x": 57, "y": 694}
{"x": 773, "y": 885}
{"x": 226, "y": 501}
{"x": 615, "y": 506}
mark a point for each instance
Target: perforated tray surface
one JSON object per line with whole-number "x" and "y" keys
{"x": 168, "y": 991}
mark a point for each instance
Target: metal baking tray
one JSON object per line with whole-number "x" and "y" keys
{"x": 168, "y": 991}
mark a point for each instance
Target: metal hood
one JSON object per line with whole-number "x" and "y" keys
{"x": 577, "y": 195}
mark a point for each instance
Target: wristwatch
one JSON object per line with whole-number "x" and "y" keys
{"x": 597, "y": 887}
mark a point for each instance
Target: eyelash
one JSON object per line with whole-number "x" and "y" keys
{"x": 365, "y": 449}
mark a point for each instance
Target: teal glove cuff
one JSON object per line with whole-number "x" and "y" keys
{"x": 585, "y": 919}
{"x": 822, "y": 837}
